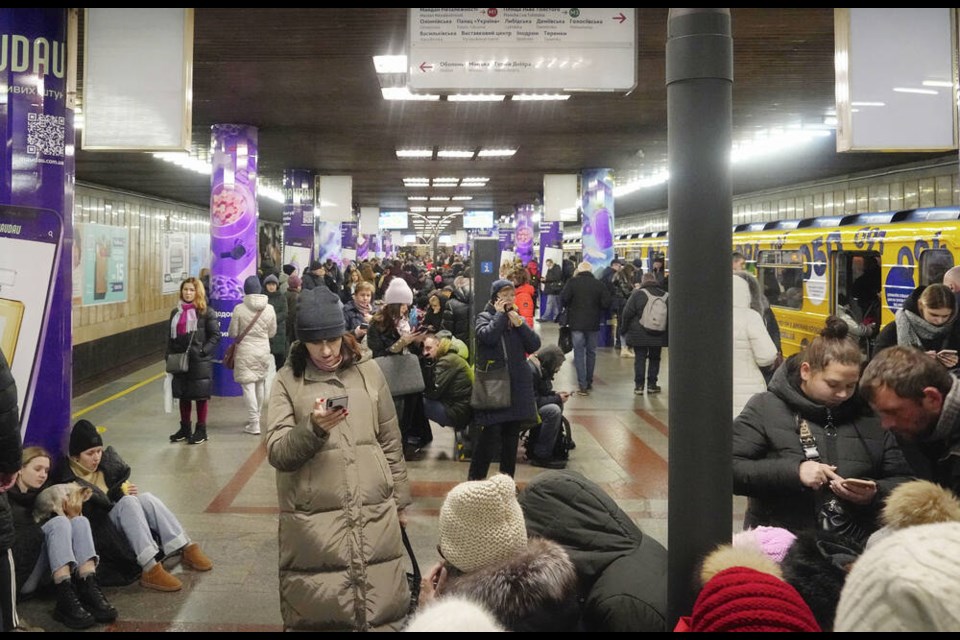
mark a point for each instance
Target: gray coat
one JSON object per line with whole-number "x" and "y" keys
{"x": 767, "y": 453}
{"x": 495, "y": 335}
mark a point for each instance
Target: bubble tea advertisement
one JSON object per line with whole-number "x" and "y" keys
{"x": 233, "y": 231}
{"x": 597, "y": 236}
{"x": 524, "y": 233}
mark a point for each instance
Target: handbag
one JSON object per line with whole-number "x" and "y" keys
{"x": 180, "y": 362}
{"x": 834, "y": 515}
{"x": 413, "y": 579}
{"x": 565, "y": 339}
{"x": 402, "y": 373}
{"x": 491, "y": 387}
{"x": 230, "y": 356}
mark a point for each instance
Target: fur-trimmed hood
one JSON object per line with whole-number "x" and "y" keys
{"x": 920, "y": 502}
{"x": 728, "y": 556}
{"x": 534, "y": 590}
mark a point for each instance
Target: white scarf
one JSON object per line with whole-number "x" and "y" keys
{"x": 191, "y": 319}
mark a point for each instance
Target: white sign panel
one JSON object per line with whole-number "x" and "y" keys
{"x": 522, "y": 49}
{"x": 175, "y": 258}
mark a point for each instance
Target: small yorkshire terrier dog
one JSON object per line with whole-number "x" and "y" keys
{"x": 61, "y": 500}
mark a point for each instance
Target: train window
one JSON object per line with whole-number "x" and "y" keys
{"x": 857, "y": 290}
{"x": 781, "y": 275}
{"x": 933, "y": 264}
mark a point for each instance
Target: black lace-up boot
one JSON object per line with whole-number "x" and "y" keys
{"x": 93, "y": 600}
{"x": 69, "y": 611}
{"x": 183, "y": 434}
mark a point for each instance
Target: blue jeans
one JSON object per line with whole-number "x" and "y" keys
{"x": 436, "y": 411}
{"x": 552, "y": 308}
{"x": 142, "y": 515}
{"x": 585, "y": 356}
{"x": 550, "y": 421}
{"x": 65, "y": 542}
{"x": 639, "y": 365}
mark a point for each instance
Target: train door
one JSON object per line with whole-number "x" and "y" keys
{"x": 857, "y": 294}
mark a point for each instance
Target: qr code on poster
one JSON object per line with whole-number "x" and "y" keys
{"x": 45, "y": 134}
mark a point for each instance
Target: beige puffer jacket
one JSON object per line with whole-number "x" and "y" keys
{"x": 253, "y": 358}
{"x": 342, "y": 561}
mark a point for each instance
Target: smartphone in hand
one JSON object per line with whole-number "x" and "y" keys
{"x": 857, "y": 483}
{"x": 340, "y": 402}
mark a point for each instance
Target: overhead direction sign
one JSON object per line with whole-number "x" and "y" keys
{"x": 522, "y": 50}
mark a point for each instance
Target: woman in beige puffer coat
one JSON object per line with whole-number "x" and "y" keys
{"x": 341, "y": 480}
{"x": 253, "y": 360}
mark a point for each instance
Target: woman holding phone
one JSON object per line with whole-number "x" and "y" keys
{"x": 928, "y": 321}
{"x": 810, "y": 438}
{"x": 332, "y": 435}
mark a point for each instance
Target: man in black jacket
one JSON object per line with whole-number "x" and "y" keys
{"x": 552, "y": 286}
{"x": 10, "y": 453}
{"x": 585, "y": 299}
{"x": 456, "y": 311}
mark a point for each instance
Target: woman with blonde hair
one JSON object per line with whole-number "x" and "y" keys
{"x": 194, "y": 327}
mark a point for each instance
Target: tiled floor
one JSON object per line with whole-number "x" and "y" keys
{"x": 224, "y": 491}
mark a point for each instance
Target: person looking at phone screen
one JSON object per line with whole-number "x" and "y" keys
{"x": 796, "y": 444}
{"x": 332, "y": 461}
{"x": 928, "y": 321}
{"x": 360, "y": 310}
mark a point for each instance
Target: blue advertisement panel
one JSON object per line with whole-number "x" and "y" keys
{"x": 597, "y": 236}
{"x": 299, "y": 195}
{"x": 328, "y": 241}
{"x": 524, "y": 233}
{"x": 348, "y": 240}
{"x": 104, "y": 263}
{"x": 36, "y": 130}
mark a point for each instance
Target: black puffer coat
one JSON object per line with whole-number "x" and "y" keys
{"x": 767, "y": 453}
{"x": 197, "y": 383}
{"x": 278, "y": 343}
{"x": 585, "y": 298}
{"x": 28, "y": 544}
{"x": 497, "y": 337}
{"x": 10, "y": 448}
{"x": 633, "y": 333}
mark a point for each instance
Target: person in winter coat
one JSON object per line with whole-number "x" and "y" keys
{"x": 585, "y": 299}
{"x": 359, "y": 312}
{"x": 928, "y": 321}
{"x": 502, "y": 340}
{"x": 117, "y": 505}
{"x": 752, "y": 346}
{"x": 252, "y": 359}
{"x": 525, "y": 297}
{"x": 193, "y": 326}
{"x": 760, "y": 304}
{"x": 552, "y": 285}
{"x": 341, "y": 481}
{"x": 10, "y": 453}
{"x": 277, "y": 300}
{"x": 448, "y": 383}
{"x": 813, "y": 397}
{"x": 542, "y": 441}
{"x": 293, "y": 298}
{"x": 59, "y": 549}
{"x": 433, "y": 318}
{"x": 622, "y": 571}
{"x": 647, "y": 344}
{"x": 456, "y": 312}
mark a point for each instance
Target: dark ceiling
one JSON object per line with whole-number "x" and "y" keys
{"x": 306, "y": 78}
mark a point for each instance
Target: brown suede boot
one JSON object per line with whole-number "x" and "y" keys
{"x": 196, "y": 559}
{"x": 159, "y": 580}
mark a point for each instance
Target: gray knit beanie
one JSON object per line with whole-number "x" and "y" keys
{"x": 320, "y": 316}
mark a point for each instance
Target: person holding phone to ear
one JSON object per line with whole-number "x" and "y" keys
{"x": 333, "y": 437}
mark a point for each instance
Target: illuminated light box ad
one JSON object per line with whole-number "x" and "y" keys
{"x": 393, "y": 219}
{"x": 478, "y": 219}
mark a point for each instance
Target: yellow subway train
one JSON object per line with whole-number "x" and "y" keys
{"x": 863, "y": 264}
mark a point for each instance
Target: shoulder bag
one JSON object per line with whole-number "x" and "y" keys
{"x": 402, "y": 372}
{"x": 491, "y": 387}
{"x": 180, "y": 362}
{"x": 230, "y": 357}
{"x": 413, "y": 579}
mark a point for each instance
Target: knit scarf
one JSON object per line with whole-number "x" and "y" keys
{"x": 184, "y": 320}
{"x": 325, "y": 368}
{"x": 948, "y": 415}
{"x": 912, "y": 328}
{"x": 93, "y": 477}
{"x": 364, "y": 309}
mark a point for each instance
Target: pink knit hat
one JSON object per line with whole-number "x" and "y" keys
{"x": 773, "y": 541}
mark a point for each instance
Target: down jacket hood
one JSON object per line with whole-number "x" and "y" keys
{"x": 786, "y": 385}
{"x": 255, "y": 301}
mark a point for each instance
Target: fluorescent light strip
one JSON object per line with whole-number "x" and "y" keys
{"x": 539, "y": 96}
{"x": 437, "y": 181}
{"x": 476, "y": 97}
{"x": 496, "y": 153}
{"x": 937, "y": 83}
{"x": 403, "y": 93}
{"x": 926, "y": 92}
{"x": 421, "y": 198}
{"x": 450, "y": 153}
{"x": 476, "y": 179}
{"x": 414, "y": 153}
{"x": 439, "y": 198}
{"x": 462, "y": 198}
{"x": 868, "y": 104}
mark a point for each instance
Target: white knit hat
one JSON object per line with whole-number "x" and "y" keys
{"x": 481, "y": 523}
{"x": 453, "y": 613}
{"x": 398, "y": 292}
{"x": 909, "y": 581}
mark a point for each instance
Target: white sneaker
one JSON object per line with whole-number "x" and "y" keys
{"x": 626, "y": 353}
{"x": 253, "y": 430}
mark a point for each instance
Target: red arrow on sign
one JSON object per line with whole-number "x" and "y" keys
{"x": 620, "y": 17}
{"x": 425, "y": 67}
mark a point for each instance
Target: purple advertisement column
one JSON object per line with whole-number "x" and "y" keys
{"x": 551, "y": 246}
{"x": 299, "y": 196}
{"x": 233, "y": 231}
{"x": 348, "y": 240}
{"x": 363, "y": 247}
{"x": 328, "y": 241}
{"x": 524, "y": 233}
{"x": 36, "y": 185}
{"x": 597, "y": 237}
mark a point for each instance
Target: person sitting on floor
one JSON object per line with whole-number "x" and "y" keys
{"x": 542, "y": 440}
{"x": 448, "y": 383}
{"x": 141, "y": 517}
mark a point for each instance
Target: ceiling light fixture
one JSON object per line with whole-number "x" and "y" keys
{"x": 421, "y": 198}
{"x": 390, "y": 64}
{"x": 476, "y": 97}
{"x": 937, "y": 83}
{"x": 926, "y": 92}
{"x": 439, "y": 198}
{"x": 539, "y": 96}
{"x": 453, "y": 153}
{"x": 403, "y": 93}
{"x": 496, "y": 153}
{"x": 414, "y": 153}
{"x": 462, "y": 198}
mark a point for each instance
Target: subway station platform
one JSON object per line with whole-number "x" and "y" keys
{"x": 224, "y": 491}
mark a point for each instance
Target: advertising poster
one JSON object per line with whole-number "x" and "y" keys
{"x": 524, "y": 233}
{"x": 199, "y": 253}
{"x": 348, "y": 240}
{"x": 297, "y": 256}
{"x": 363, "y": 247}
{"x": 233, "y": 231}
{"x": 174, "y": 257}
{"x": 37, "y": 172}
{"x": 270, "y": 245}
{"x": 328, "y": 241}
{"x": 506, "y": 240}
{"x": 104, "y": 261}
{"x": 386, "y": 245}
{"x": 597, "y": 236}
{"x": 299, "y": 196}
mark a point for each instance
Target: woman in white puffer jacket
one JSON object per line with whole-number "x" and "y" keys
{"x": 253, "y": 360}
{"x": 752, "y": 346}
